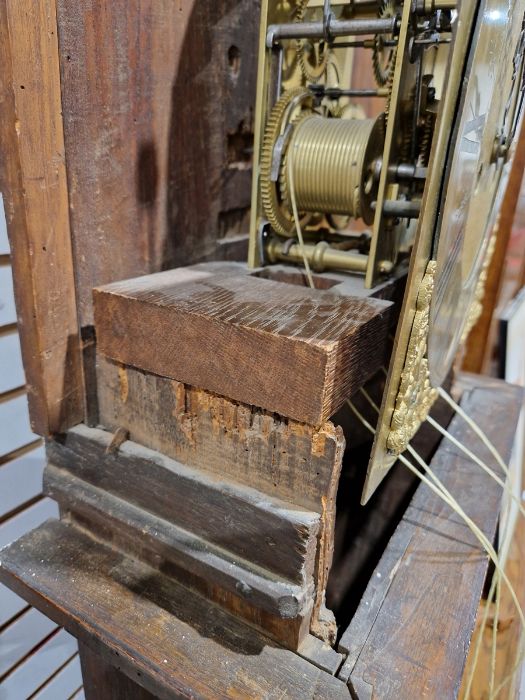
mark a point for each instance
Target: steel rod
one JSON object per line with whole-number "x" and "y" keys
{"x": 318, "y": 30}
{"x": 402, "y": 209}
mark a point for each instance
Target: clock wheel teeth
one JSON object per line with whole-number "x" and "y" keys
{"x": 384, "y": 67}
{"x": 312, "y": 73}
{"x": 280, "y": 220}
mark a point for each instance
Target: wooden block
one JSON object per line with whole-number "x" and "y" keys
{"x": 279, "y": 608}
{"x": 283, "y": 458}
{"x": 292, "y": 350}
{"x": 168, "y": 640}
{"x": 292, "y": 461}
{"x": 267, "y": 532}
{"x": 411, "y": 633}
{"x": 253, "y": 554}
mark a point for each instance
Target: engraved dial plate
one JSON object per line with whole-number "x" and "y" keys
{"x": 470, "y": 203}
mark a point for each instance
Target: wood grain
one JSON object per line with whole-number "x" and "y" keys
{"x": 280, "y": 457}
{"x": 267, "y": 532}
{"x": 411, "y": 633}
{"x": 102, "y": 681}
{"x": 298, "y": 352}
{"x": 168, "y": 640}
{"x": 252, "y": 554}
{"x": 157, "y": 121}
{"x": 278, "y": 608}
{"x": 33, "y": 182}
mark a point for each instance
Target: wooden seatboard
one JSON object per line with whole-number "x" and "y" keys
{"x": 411, "y": 633}
{"x": 168, "y": 640}
{"x": 283, "y": 458}
{"x": 289, "y": 349}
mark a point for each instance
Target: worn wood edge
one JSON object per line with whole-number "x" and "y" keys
{"x": 320, "y": 654}
{"x": 351, "y": 642}
{"x": 190, "y": 410}
{"x": 162, "y": 542}
{"x": 237, "y": 430}
{"x": 355, "y": 637}
{"x": 288, "y": 632}
{"x": 101, "y": 639}
{"x": 41, "y": 253}
{"x": 300, "y": 526}
{"x": 323, "y": 624}
{"x": 365, "y": 350}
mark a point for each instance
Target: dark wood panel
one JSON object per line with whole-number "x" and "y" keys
{"x": 104, "y": 682}
{"x": 299, "y": 352}
{"x": 411, "y": 633}
{"x": 158, "y": 103}
{"x": 34, "y": 188}
{"x": 280, "y": 609}
{"x": 274, "y": 534}
{"x": 168, "y": 640}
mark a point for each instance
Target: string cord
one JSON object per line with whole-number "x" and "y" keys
{"x": 297, "y": 221}
{"x": 495, "y": 582}
{"x": 435, "y": 484}
{"x": 505, "y": 486}
{"x": 475, "y": 428}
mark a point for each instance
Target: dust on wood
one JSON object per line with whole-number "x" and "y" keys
{"x": 170, "y": 641}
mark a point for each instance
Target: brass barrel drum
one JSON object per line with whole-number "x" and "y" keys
{"x": 333, "y": 165}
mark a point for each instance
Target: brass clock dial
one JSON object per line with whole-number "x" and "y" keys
{"x": 476, "y": 174}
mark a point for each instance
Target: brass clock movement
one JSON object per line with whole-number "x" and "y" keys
{"x": 384, "y": 134}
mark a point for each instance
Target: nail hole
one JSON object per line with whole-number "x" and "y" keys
{"x": 234, "y": 61}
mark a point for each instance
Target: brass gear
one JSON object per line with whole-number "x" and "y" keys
{"x": 384, "y": 62}
{"x": 279, "y": 219}
{"x": 307, "y": 49}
